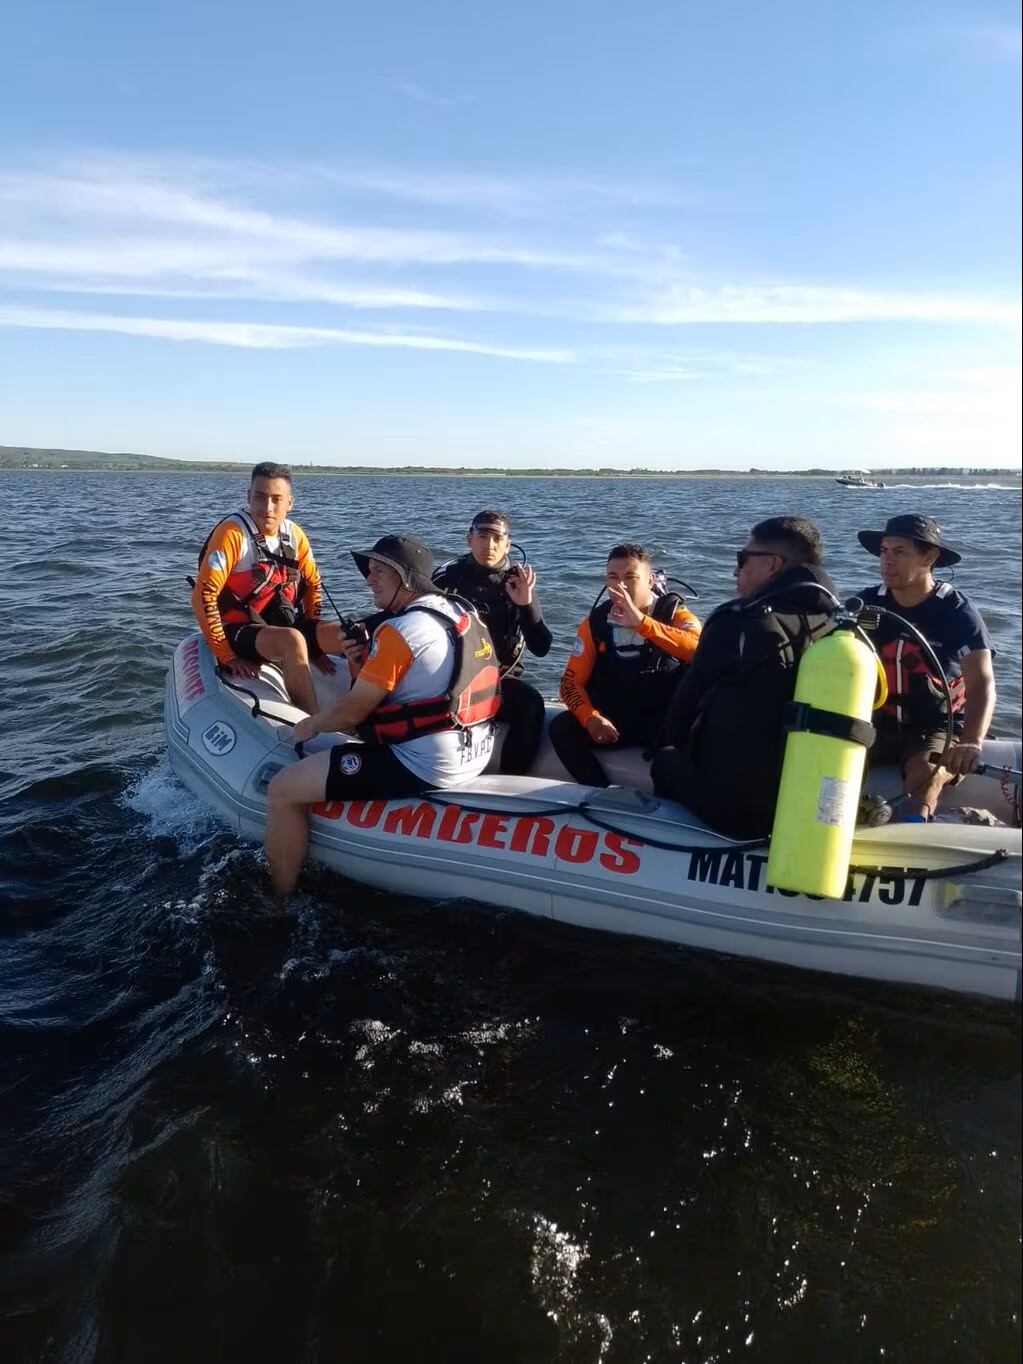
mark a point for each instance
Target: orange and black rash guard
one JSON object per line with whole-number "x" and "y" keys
{"x": 232, "y": 551}
{"x": 679, "y": 640}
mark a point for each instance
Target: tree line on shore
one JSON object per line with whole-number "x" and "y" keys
{"x": 30, "y": 457}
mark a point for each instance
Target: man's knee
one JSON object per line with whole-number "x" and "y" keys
{"x": 282, "y": 644}
{"x": 284, "y": 785}
{"x": 301, "y": 783}
{"x": 566, "y": 729}
{"x": 524, "y": 704}
{"x": 534, "y": 707}
{"x": 292, "y": 645}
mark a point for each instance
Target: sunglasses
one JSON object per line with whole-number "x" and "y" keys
{"x": 741, "y": 555}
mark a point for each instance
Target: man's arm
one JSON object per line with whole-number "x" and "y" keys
{"x": 222, "y": 553}
{"x": 535, "y": 630}
{"x": 389, "y": 660}
{"x": 521, "y": 589}
{"x": 578, "y": 671}
{"x": 979, "y": 678}
{"x": 345, "y": 715}
{"x": 311, "y": 589}
{"x": 679, "y": 639}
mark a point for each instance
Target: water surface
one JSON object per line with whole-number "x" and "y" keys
{"x": 374, "y": 1129}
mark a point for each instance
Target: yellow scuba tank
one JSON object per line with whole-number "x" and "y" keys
{"x": 822, "y": 773}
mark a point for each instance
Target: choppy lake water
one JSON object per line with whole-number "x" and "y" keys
{"x": 374, "y": 1129}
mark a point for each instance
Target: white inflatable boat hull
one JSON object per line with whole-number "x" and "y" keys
{"x": 522, "y": 843}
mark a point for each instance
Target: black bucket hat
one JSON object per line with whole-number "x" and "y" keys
{"x": 911, "y": 527}
{"x": 406, "y": 554}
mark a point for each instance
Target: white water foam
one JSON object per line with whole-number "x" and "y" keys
{"x": 964, "y": 487}
{"x": 169, "y": 810}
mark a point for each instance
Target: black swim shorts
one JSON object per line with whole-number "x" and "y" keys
{"x": 242, "y": 639}
{"x": 366, "y": 771}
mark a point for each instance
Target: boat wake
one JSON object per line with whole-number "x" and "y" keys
{"x": 964, "y": 487}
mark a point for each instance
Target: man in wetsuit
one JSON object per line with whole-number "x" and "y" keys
{"x": 504, "y": 595}
{"x": 257, "y": 591}
{"x": 913, "y": 722}
{"x": 726, "y": 720}
{"x": 626, "y": 661}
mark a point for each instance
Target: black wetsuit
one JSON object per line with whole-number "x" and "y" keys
{"x": 513, "y": 629}
{"x": 725, "y": 722}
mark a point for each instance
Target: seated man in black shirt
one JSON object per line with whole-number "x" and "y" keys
{"x": 725, "y": 723}
{"x": 913, "y": 722}
{"x": 504, "y": 596}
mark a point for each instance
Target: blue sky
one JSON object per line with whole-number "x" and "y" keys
{"x": 585, "y": 234}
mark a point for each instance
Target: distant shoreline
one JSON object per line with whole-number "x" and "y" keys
{"x": 1008, "y": 475}
{"x": 243, "y": 471}
{"x": 21, "y": 459}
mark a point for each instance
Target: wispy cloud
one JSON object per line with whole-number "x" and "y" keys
{"x": 419, "y": 94}
{"x": 652, "y": 365}
{"x": 162, "y": 230}
{"x": 265, "y": 336}
{"x": 119, "y": 200}
{"x": 516, "y": 197}
{"x": 756, "y": 305}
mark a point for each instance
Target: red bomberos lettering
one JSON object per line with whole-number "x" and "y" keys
{"x": 532, "y": 835}
{"x": 188, "y": 683}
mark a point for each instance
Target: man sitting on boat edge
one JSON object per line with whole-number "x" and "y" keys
{"x": 504, "y": 595}
{"x": 625, "y": 663}
{"x": 424, "y": 701}
{"x": 913, "y": 722}
{"x": 725, "y": 721}
{"x": 257, "y": 590}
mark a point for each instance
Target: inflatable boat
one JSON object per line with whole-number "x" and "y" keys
{"x": 934, "y": 905}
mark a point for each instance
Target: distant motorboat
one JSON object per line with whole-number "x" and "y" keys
{"x": 857, "y": 481}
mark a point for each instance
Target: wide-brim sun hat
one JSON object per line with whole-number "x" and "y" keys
{"x": 406, "y": 554}
{"x": 911, "y": 527}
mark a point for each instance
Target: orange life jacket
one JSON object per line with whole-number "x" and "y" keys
{"x": 473, "y": 696}
{"x": 267, "y": 592}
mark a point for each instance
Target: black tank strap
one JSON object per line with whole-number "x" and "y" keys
{"x": 801, "y": 717}
{"x": 665, "y": 607}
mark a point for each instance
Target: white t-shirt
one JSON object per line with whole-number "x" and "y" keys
{"x": 412, "y": 656}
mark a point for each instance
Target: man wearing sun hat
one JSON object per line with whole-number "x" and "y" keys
{"x": 912, "y": 723}
{"x": 422, "y": 704}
